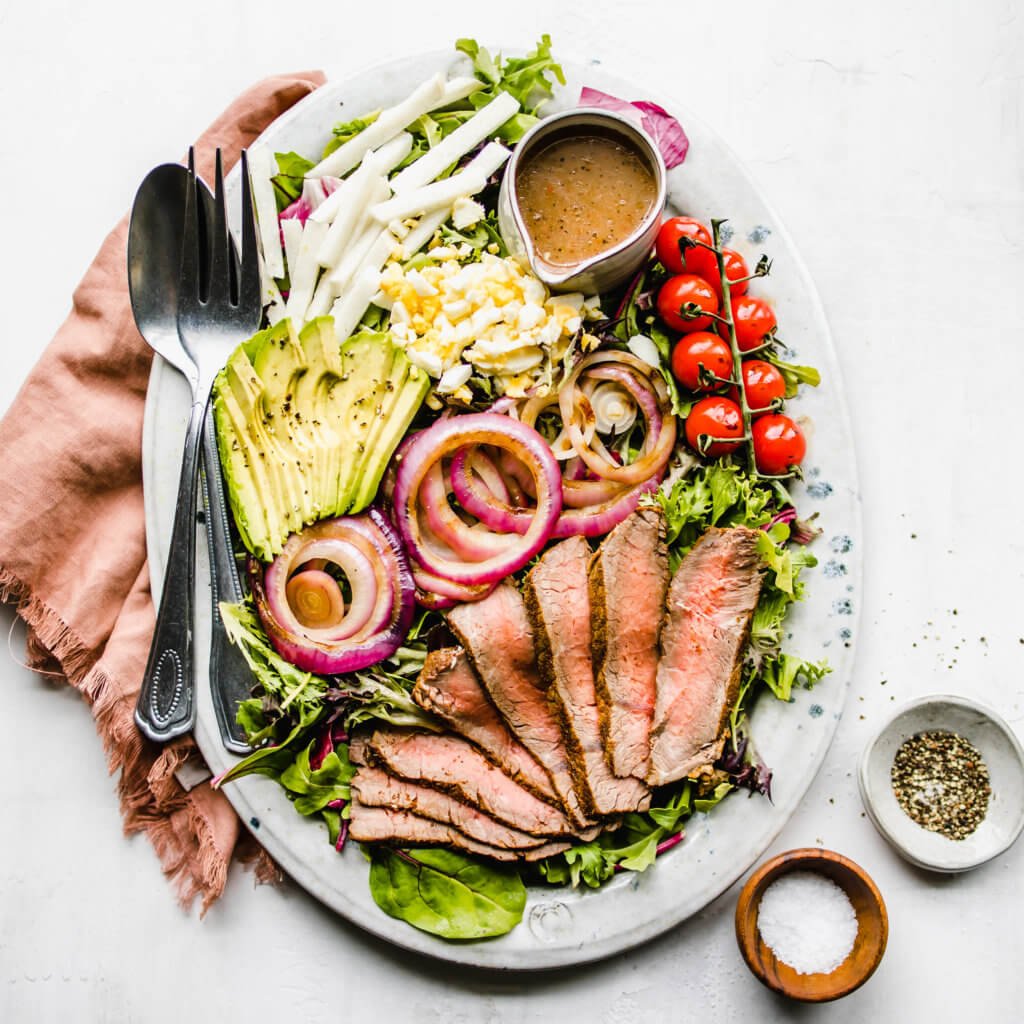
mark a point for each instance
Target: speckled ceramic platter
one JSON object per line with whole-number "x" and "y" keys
{"x": 562, "y": 926}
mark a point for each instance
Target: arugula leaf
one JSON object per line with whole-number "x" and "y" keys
{"x": 446, "y": 893}
{"x": 287, "y": 183}
{"x": 792, "y": 374}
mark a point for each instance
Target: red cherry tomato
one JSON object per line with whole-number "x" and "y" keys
{"x": 763, "y": 384}
{"x": 716, "y": 417}
{"x": 779, "y": 444}
{"x": 735, "y": 268}
{"x": 754, "y": 320}
{"x": 679, "y": 260}
{"x": 702, "y": 348}
{"x": 686, "y": 290}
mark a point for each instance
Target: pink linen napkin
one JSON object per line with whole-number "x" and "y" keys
{"x": 72, "y": 537}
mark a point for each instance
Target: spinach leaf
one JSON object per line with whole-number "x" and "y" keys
{"x": 446, "y": 893}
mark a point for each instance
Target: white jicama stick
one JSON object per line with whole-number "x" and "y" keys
{"x": 271, "y": 297}
{"x": 363, "y": 188}
{"x": 485, "y": 122}
{"x": 292, "y": 231}
{"x": 440, "y": 194}
{"x": 388, "y": 124}
{"x": 424, "y": 231}
{"x": 349, "y": 309}
{"x": 361, "y": 238}
{"x": 456, "y": 89}
{"x": 324, "y": 295}
{"x": 303, "y": 274}
{"x": 260, "y": 172}
{"x": 381, "y": 161}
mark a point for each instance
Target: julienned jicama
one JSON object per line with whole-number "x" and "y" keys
{"x": 509, "y": 611}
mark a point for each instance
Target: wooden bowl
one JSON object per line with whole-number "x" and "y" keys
{"x": 868, "y": 947}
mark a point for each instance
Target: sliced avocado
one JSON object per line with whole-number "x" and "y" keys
{"x": 281, "y": 364}
{"x": 306, "y": 427}
{"x": 405, "y": 390}
{"x": 245, "y": 483}
{"x": 313, "y": 395}
{"x": 246, "y": 388}
{"x": 367, "y": 359}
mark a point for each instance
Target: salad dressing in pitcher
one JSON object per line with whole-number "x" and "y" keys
{"x": 582, "y": 195}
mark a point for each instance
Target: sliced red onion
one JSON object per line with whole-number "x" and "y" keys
{"x": 446, "y": 437}
{"x": 439, "y": 587}
{"x": 446, "y": 526}
{"x": 369, "y": 534}
{"x": 479, "y": 500}
{"x": 600, "y": 519}
{"x": 315, "y": 598}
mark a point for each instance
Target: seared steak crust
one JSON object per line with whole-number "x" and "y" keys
{"x": 711, "y": 602}
{"x": 628, "y": 583}
{"x": 558, "y": 602}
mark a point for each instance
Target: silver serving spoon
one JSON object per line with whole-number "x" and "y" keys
{"x": 154, "y": 265}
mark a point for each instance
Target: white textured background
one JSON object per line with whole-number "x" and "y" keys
{"x": 889, "y": 136}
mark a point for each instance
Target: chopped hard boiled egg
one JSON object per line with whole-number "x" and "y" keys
{"x": 489, "y": 317}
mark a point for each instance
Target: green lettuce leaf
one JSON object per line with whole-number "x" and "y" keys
{"x": 782, "y": 673}
{"x": 287, "y": 183}
{"x": 446, "y": 893}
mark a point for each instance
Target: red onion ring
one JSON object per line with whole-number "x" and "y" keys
{"x": 446, "y": 526}
{"x": 600, "y": 519}
{"x": 380, "y": 636}
{"x": 448, "y": 436}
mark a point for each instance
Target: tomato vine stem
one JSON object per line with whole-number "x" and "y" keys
{"x": 737, "y": 355}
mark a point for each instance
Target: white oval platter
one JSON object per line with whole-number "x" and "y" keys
{"x": 562, "y": 926}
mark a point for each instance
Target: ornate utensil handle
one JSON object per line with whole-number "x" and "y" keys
{"x": 230, "y": 675}
{"x": 166, "y": 706}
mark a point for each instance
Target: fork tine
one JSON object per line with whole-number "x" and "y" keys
{"x": 249, "y": 281}
{"x": 220, "y": 261}
{"x": 189, "y": 285}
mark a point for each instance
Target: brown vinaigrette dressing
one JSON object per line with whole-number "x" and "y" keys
{"x": 582, "y": 195}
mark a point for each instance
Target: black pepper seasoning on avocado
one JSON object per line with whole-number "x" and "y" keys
{"x": 942, "y": 783}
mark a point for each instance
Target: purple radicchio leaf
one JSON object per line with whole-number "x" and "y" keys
{"x": 666, "y": 131}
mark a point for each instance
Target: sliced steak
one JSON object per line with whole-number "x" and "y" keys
{"x": 711, "y": 601}
{"x": 376, "y": 788}
{"x": 628, "y": 582}
{"x": 557, "y": 598}
{"x": 449, "y": 688}
{"x": 449, "y": 763}
{"x": 403, "y": 828}
{"x": 496, "y": 635}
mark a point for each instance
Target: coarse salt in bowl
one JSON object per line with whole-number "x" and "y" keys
{"x": 811, "y": 925}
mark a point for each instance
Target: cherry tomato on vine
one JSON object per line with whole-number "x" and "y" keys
{"x": 679, "y": 260}
{"x": 779, "y": 444}
{"x": 717, "y": 417}
{"x": 763, "y": 384}
{"x": 686, "y": 290}
{"x": 754, "y": 320}
{"x": 702, "y": 348}
{"x": 735, "y": 268}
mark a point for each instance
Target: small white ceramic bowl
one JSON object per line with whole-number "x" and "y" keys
{"x": 1002, "y": 754}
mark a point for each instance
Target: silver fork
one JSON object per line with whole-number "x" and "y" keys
{"x": 218, "y": 307}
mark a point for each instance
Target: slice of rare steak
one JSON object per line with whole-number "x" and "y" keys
{"x": 557, "y": 597}
{"x": 496, "y": 635}
{"x": 628, "y": 583}
{"x": 403, "y": 828}
{"x": 449, "y": 763}
{"x": 376, "y": 788}
{"x": 449, "y": 688}
{"x": 711, "y": 602}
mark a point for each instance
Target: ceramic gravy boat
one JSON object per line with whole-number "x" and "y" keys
{"x": 612, "y": 266}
